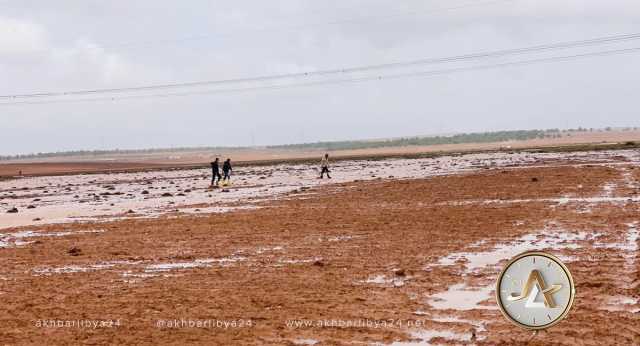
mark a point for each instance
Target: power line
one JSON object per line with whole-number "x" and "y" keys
{"x": 426, "y": 61}
{"x": 351, "y": 80}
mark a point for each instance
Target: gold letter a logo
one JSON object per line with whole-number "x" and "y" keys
{"x": 531, "y": 289}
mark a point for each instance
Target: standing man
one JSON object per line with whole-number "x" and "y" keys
{"x": 324, "y": 165}
{"x": 215, "y": 169}
{"x": 226, "y": 169}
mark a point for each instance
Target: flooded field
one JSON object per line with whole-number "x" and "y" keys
{"x": 94, "y": 197}
{"x": 417, "y": 242}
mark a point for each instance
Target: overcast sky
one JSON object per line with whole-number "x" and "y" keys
{"x": 88, "y": 44}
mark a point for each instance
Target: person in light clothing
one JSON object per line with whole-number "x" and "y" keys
{"x": 324, "y": 166}
{"x": 226, "y": 169}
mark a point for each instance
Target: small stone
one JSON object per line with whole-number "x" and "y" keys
{"x": 12, "y": 210}
{"x": 74, "y": 251}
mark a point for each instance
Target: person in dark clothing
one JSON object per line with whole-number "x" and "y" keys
{"x": 215, "y": 169}
{"x": 226, "y": 169}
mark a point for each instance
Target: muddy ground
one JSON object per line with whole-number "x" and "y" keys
{"x": 407, "y": 261}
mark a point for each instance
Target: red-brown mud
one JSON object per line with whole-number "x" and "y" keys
{"x": 351, "y": 252}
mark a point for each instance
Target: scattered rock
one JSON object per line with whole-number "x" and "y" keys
{"x": 12, "y": 210}
{"x": 145, "y": 192}
{"x": 534, "y": 179}
{"x": 31, "y": 207}
{"x": 130, "y": 211}
{"x": 319, "y": 263}
{"x": 226, "y": 190}
{"x": 167, "y": 194}
{"x": 37, "y": 219}
{"x": 74, "y": 251}
{"x": 398, "y": 283}
{"x": 400, "y": 272}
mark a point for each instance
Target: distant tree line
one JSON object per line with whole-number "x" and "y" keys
{"x": 76, "y": 153}
{"x": 476, "y": 137}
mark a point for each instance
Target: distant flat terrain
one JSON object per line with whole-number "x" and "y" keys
{"x": 200, "y": 158}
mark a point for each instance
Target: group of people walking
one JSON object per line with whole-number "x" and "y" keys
{"x": 226, "y": 170}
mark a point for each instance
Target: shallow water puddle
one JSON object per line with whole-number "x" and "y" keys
{"x": 622, "y": 303}
{"x": 546, "y": 239}
{"x": 478, "y": 326}
{"x": 461, "y": 297}
{"x": 299, "y": 261}
{"x": 396, "y": 281}
{"x": 79, "y": 268}
{"x": 557, "y": 200}
{"x": 262, "y": 250}
{"x": 150, "y": 270}
{"x": 198, "y": 263}
{"x": 17, "y": 239}
{"x": 423, "y": 337}
{"x": 342, "y": 238}
{"x": 62, "y": 199}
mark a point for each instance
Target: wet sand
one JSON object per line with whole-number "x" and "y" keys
{"x": 420, "y": 250}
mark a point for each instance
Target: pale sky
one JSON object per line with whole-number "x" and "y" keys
{"x": 91, "y": 44}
